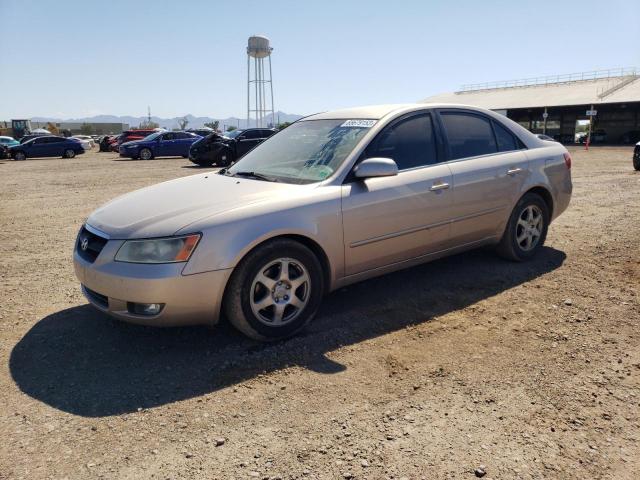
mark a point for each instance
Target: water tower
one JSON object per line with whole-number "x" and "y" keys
{"x": 259, "y": 94}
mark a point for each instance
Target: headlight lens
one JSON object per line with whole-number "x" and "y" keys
{"x": 158, "y": 250}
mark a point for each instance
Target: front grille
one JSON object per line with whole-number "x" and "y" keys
{"x": 96, "y": 297}
{"x": 92, "y": 248}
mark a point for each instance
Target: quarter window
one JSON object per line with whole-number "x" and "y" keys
{"x": 468, "y": 135}
{"x": 506, "y": 141}
{"x": 410, "y": 143}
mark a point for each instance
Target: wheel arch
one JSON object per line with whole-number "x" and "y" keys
{"x": 545, "y": 194}
{"x": 308, "y": 242}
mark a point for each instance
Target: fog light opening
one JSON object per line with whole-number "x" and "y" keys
{"x": 146, "y": 309}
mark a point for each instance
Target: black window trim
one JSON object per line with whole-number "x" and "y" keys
{"x": 447, "y": 150}
{"x": 415, "y": 114}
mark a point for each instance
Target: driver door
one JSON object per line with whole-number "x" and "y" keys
{"x": 389, "y": 220}
{"x": 246, "y": 141}
{"x": 166, "y": 145}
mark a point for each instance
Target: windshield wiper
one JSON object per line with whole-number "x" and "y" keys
{"x": 257, "y": 176}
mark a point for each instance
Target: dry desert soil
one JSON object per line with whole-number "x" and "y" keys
{"x": 525, "y": 370}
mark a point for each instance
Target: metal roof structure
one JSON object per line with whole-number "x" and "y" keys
{"x": 598, "y": 87}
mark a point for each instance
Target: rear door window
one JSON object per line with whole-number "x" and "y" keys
{"x": 468, "y": 135}
{"x": 409, "y": 142}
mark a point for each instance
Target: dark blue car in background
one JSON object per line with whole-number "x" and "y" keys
{"x": 160, "y": 144}
{"x": 47, "y": 146}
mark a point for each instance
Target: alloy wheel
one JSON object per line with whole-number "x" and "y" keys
{"x": 280, "y": 291}
{"x": 529, "y": 227}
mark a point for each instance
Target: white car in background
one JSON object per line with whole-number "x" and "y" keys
{"x": 87, "y": 142}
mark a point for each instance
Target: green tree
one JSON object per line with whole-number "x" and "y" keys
{"x": 283, "y": 125}
{"x": 231, "y": 128}
{"x": 86, "y": 129}
{"x": 213, "y": 125}
{"x": 182, "y": 124}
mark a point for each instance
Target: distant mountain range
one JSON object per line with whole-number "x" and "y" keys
{"x": 169, "y": 123}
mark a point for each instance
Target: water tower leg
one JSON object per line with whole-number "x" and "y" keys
{"x": 248, "y": 88}
{"x": 273, "y": 120}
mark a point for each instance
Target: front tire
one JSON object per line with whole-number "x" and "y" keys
{"x": 275, "y": 290}
{"x": 636, "y": 162}
{"x": 19, "y": 156}
{"x": 146, "y": 154}
{"x": 526, "y": 230}
{"x": 69, "y": 153}
{"x": 224, "y": 158}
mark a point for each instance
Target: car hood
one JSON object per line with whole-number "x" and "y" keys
{"x": 163, "y": 209}
{"x": 132, "y": 143}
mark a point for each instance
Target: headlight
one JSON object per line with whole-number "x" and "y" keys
{"x": 159, "y": 250}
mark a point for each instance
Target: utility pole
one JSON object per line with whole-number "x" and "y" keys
{"x": 589, "y": 131}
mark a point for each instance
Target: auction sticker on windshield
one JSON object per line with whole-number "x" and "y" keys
{"x": 359, "y": 123}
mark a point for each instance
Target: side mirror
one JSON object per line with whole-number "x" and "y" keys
{"x": 376, "y": 167}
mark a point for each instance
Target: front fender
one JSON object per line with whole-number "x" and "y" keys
{"x": 224, "y": 245}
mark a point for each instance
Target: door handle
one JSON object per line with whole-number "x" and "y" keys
{"x": 513, "y": 171}
{"x": 439, "y": 186}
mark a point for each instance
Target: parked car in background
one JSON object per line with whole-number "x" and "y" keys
{"x": 105, "y": 142}
{"x": 636, "y": 156}
{"x": 630, "y": 137}
{"x": 26, "y": 138}
{"x": 203, "y": 132}
{"x": 159, "y": 144}
{"x": 47, "y": 146}
{"x": 542, "y": 136}
{"x": 86, "y": 138}
{"x": 223, "y": 149}
{"x": 4, "y": 152}
{"x": 8, "y": 141}
{"x": 333, "y": 199}
{"x": 132, "y": 135}
{"x": 597, "y": 136}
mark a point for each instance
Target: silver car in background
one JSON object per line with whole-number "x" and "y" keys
{"x": 333, "y": 199}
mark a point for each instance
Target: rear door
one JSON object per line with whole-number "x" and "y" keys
{"x": 182, "y": 143}
{"x": 389, "y": 220}
{"x": 489, "y": 167}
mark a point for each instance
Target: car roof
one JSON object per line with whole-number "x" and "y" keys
{"x": 376, "y": 112}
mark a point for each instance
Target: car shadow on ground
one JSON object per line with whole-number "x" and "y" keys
{"x": 82, "y": 362}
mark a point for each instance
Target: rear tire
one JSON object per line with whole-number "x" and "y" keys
{"x": 69, "y": 153}
{"x": 526, "y": 229}
{"x": 266, "y": 302}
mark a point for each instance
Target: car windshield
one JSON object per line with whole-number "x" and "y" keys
{"x": 153, "y": 136}
{"x": 305, "y": 152}
{"x": 232, "y": 133}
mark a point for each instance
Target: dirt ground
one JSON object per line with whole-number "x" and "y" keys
{"x": 524, "y": 370}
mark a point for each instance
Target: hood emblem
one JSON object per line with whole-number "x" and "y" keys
{"x": 84, "y": 244}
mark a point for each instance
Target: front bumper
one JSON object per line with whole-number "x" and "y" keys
{"x": 188, "y": 299}
{"x": 125, "y": 152}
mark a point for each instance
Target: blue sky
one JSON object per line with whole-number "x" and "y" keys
{"x": 79, "y": 58}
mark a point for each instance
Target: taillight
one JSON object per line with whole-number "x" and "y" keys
{"x": 567, "y": 160}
